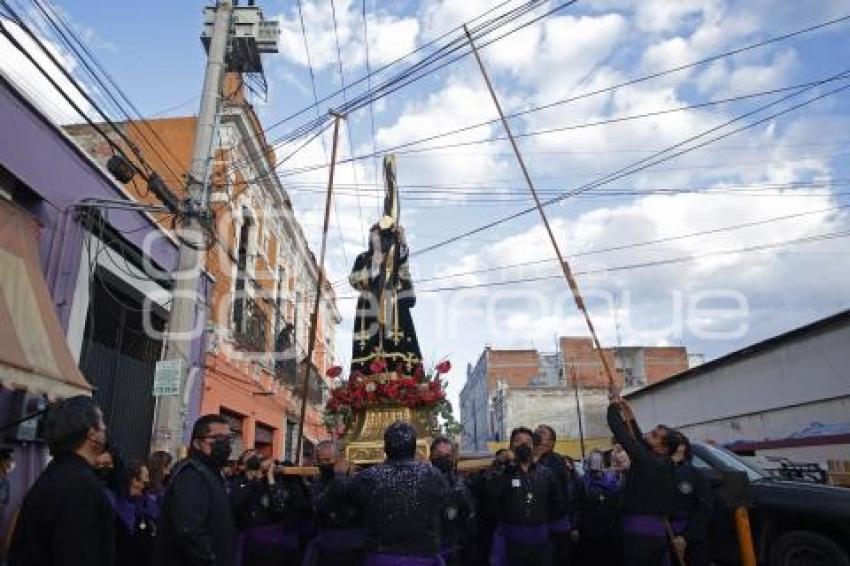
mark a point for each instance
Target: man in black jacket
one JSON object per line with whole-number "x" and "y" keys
{"x": 270, "y": 509}
{"x": 692, "y": 505}
{"x": 66, "y": 518}
{"x": 402, "y": 500}
{"x": 648, "y": 493}
{"x": 197, "y": 521}
{"x": 564, "y": 529}
{"x": 528, "y": 498}
{"x": 459, "y": 517}
{"x": 339, "y": 521}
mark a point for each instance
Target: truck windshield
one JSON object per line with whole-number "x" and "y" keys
{"x": 737, "y": 464}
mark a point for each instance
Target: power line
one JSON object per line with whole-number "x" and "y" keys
{"x": 621, "y": 247}
{"x": 149, "y": 174}
{"x": 647, "y": 162}
{"x": 439, "y": 194}
{"x": 392, "y": 63}
{"x": 651, "y": 76}
{"x": 426, "y": 66}
{"x": 547, "y": 131}
{"x": 371, "y": 104}
{"x": 347, "y": 123}
{"x": 316, "y": 101}
{"x": 629, "y": 267}
{"x": 52, "y": 18}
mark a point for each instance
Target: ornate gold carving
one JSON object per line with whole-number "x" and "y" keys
{"x": 364, "y": 443}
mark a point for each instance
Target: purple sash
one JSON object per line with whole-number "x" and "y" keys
{"x": 562, "y": 525}
{"x": 514, "y": 533}
{"x": 447, "y": 551}
{"x": 273, "y": 534}
{"x": 644, "y": 525}
{"x": 387, "y": 559}
{"x": 266, "y": 535}
{"x": 341, "y": 540}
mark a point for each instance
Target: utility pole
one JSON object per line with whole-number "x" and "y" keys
{"x": 170, "y": 411}
{"x": 317, "y": 301}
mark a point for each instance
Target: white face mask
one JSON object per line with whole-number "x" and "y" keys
{"x": 10, "y": 467}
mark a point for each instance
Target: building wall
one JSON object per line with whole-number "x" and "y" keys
{"x": 238, "y": 378}
{"x": 770, "y": 394}
{"x": 652, "y": 364}
{"x": 59, "y": 173}
{"x": 474, "y": 408}
{"x": 554, "y": 406}
{"x": 523, "y": 387}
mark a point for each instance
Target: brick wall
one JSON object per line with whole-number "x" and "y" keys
{"x": 581, "y": 361}
{"x": 514, "y": 367}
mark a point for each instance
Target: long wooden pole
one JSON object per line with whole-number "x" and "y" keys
{"x": 320, "y": 281}
{"x": 565, "y": 267}
{"x": 745, "y": 537}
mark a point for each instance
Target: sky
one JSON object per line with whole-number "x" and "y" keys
{"x": 714, "y": 249}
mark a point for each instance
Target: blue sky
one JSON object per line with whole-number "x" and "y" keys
{"x": 792, "y": 167}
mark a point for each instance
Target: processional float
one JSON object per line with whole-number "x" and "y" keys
{"x": 387, "y": 380}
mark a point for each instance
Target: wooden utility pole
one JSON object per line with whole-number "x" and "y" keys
{"x": 320, "y": 281}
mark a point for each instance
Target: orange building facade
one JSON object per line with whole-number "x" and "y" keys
{"x": 264, "y": 279}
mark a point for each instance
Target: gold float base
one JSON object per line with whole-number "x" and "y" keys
{"x": 364, "y": 441}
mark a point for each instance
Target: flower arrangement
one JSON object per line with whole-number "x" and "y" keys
{"x": 384, "y": 387}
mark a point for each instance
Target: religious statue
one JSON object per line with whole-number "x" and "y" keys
{"x": 384, "y": 335}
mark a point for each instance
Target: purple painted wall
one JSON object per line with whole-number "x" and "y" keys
{"x": 40, "y": 155}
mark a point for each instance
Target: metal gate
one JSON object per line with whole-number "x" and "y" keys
{"x": 119, "y": 359}
{"x": 123, "y": 391}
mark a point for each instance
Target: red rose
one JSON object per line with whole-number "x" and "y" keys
{"x": 418, "y": 371}
{"x": 333, "y": 372}
{"x": 444, "y": 367}
{"x": 435, "y": 385}
{"x": 378, "y": 365}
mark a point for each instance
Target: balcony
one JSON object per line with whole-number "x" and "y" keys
{"x": 249, "y": 326}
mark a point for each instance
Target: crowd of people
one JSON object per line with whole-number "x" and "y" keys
{"x": 640, "y": 503}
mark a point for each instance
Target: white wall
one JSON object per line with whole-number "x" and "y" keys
{"x": 769, "y": 395}
{"x": 112, "y": 261}
{"x": 556, "y": 407}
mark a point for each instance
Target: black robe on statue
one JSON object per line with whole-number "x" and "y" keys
{"x": 383, "y": 325}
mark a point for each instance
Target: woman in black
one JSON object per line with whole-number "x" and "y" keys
{"x": 137, "y": 514}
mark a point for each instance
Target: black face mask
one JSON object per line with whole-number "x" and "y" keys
{"x": 443, "y": 463}
{"x": 220, "y": 451}
{"x": 523, "y": 453}
{"x": 326, "y": 471}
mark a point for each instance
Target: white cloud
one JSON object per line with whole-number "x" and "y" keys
{"x": 389, "y": 36}
{"x": 20, "y": 71}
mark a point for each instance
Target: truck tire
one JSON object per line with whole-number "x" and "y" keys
{"x": 805, "y": 548}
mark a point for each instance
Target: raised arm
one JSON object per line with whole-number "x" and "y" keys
{"x": 633, "y": 447}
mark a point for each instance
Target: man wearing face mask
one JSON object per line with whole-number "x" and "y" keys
{"x": 339, "y": 522}
{"x": 66, "y": 517}
{"x": 564, "y": 530}
{"x": 528, "y": 499}
{"x": 269, "y": 510}
{"x": 457, "y": 528}
{"x": 197, "y": 526}
{"x": 648, "y": 492}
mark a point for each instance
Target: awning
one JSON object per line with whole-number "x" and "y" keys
{"x": 33, "y": 352}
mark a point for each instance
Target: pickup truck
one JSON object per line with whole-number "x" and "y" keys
{"x": 793, "y": 523}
